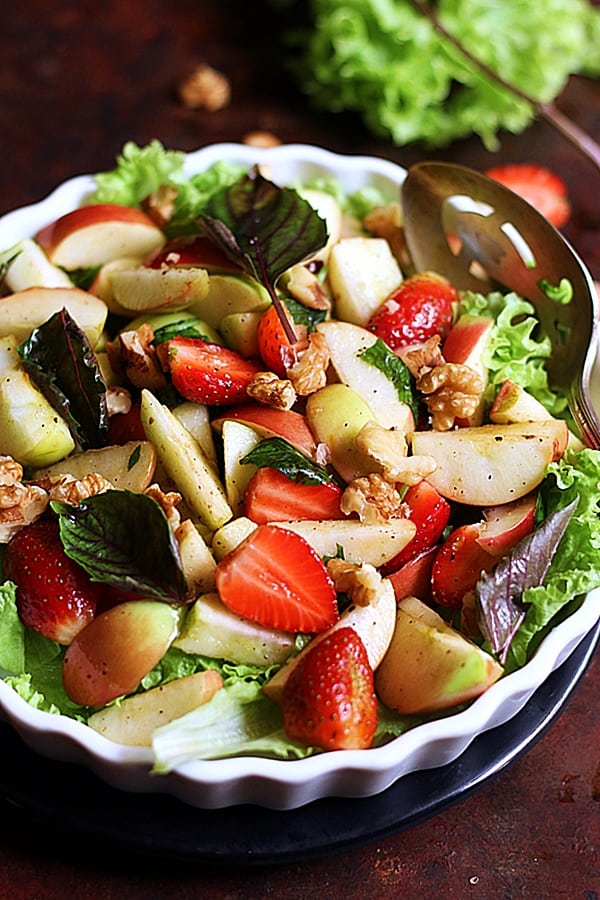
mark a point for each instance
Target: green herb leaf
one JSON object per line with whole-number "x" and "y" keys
{"x": 276, "y": 453}
{"x": 263, "y": 227}
{"x": 498, "y": 594}
{"x": 181, "y": 328}
{"x": 123, "y": 539}
{"x": 303, "y": 315}
{"x": 380, "y": 356}
{"x": 61, "y": 362}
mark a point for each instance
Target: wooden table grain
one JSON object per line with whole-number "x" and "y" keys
{"x": 78, "y": 79}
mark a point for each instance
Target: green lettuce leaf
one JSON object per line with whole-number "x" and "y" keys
{"x": 367, "y": 57}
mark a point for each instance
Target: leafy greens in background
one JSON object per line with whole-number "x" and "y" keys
{"x": 387, "y": 62}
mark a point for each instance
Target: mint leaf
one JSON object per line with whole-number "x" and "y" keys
{"x": 61, "y": 362}
{"x": 123, "y": 539}
{"x": 264, "y": 227}
{"x": 380, "y": 356}
{"x": 276, "y": 453}
{"x": 499, "y": 593}
{"x": 180, "y": 328}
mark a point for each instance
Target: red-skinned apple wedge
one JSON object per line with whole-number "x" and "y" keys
{"x": 465, "y": 344}
{"x": 505, "y": 525}
{"x": 189, "y": 250}
{"x": 491, "y": 464}
{"x": 92, "y": 235}
{"x": 270, "y": 422}
{"x": 25, "y": 310}
{"x": 429, "y": 665}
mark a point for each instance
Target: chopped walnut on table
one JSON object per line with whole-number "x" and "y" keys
{"x": 205, "y": 88}
{"x": 261, "y": 139}
{"x": 361, "y": 582}
{"x": 390, "y": 450}
{"x": 372, "y": 498}
{"x": 452, "y": 391}
{"x": 270, "y": 390}
{"x": 309, "y": 374}
{"x": 20, "y": 502}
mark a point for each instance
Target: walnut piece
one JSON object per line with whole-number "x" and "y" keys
{"x": 206, "y": 88}
{"x": 261, "y": 139}
{"x": 138, "y": 358}
{"x": 160, "y": 204}
{"x": 389, "y": 449}
{"x": 372, "y": 498}
{"x": 309, "y": 374}
{"x": 168, "y": 502}
{"x": 118, "y": 400}
{"x": 361, "y": 582}
{"x": 68, "y": 489}
{"x": 305, "y": 287}
{"x": 270, "y": 390}
{"x": 452, "y": 391}
{"x": 419, "y": 357}
{"x": 386, "y": 222}
{"x": 20, "y": 502}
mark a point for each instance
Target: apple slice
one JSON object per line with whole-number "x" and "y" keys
{"x": 514, "y": 404}
{"x": 429, "y": 665}
{"x": 25, "y": 310}
{"x": 28, "y": 266}
{"x": 346, "y": 343}
{"x": 135, "y": 719}
{"x": 504, "y": 526}
{"x": 361, "y": 542}
{"x": 238, "y": 440}
{"x": 465, "y": 344}
{"x": 111, "y": 655}
{"x": 362, "y": 273}
{"x": 139, "y": 289}
{"x": 413, "y": 578}
{"x": 336, "y": 414}
{"x": 92, "y": 235}
{"x": 270, "y": 422}
{"x": 491, "y": 464}
{"x": 192, "y": 250}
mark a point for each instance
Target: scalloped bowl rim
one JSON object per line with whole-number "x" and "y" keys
{"x": 281, "y": 784}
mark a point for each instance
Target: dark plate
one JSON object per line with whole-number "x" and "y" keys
{"x": 33, "y": 799}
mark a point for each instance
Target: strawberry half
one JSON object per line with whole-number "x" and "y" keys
{"x": 458, "y": 565}
{"x": 275, "y": 578}
{"x": 55, "y": 596}
{"x": 541, "y": 188}
{"x": 275, "y": 350}
{"x": 273, "y": 497}
{"x": 208, "y": 373}
{"x": 430, "y": 513}
{"x": 329, "y": 698}
{"x": 421, "y": 307}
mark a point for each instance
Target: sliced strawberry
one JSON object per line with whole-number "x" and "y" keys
{"x": 541, "y": 187}
{"x": 275, "y": 349}
{"x": 421, "y": 307}
{"x": 329, "y": 698}
{"x": 55, "y": 596}
{"x": 458, "y": 565}
{"x": 275, "y": 578}
{"x": 430, "y": 513}
{"x": 273, "y": 497}
{"x": 208, "y": 373}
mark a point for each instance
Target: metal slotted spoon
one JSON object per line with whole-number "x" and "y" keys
{"x": 481, "y": 235}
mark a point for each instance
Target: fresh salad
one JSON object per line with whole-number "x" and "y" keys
{"x": 264, "y": 488}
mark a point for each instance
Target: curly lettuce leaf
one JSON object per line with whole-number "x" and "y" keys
{"x": 514, "y": 352}
{"x": 140, "y": 171}
{"x": 366, "y": 56}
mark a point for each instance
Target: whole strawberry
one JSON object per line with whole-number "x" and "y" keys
{"x": 55, "y": 596}
{"x": 421, "y": 307}
{"x": 329, "y": 698}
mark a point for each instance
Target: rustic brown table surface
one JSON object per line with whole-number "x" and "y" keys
{"x": 78, "y": 79}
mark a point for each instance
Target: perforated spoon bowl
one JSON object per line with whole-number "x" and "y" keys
{"x": 482, "y": 236}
